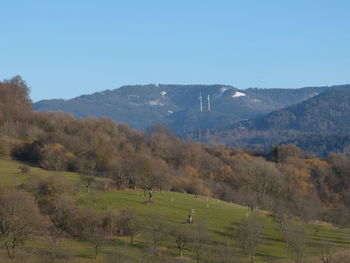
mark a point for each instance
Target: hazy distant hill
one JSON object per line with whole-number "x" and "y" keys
{"x": 178, "y": 105}
{"x": 320, "y": 124}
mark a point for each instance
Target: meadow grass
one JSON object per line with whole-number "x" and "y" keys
{"x": 221, "y": 217}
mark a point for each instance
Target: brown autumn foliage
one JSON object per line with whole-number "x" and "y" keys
{"x": 158, "y": 160}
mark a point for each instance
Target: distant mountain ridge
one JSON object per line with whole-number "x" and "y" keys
{"x": 178, "y": 105}
{"x": 320, "y": 124}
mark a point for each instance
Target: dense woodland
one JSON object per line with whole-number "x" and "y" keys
{"x": 287, "y": 181}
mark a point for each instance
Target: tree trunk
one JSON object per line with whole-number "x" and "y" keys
{"x": 96, "y": 248}
{"x": 10, "y": 251}
{"x": 252, "y": 256}
{"x": 300, "y": 257}
{"x": 52, "y": 253}
{"x": 154, "y": 243}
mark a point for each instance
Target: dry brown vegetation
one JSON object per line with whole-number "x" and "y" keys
{"x": 287, "y": 181}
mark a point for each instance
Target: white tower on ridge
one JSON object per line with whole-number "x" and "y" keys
{"x": 208, "y": 102}
{"x": 200, "y": 102}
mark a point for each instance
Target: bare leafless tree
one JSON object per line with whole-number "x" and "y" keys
{"x": 155, "y": 229}
{"x": 129, "y": 223}
{"x": 182, "y": 236}
{"x": 19, "y": 220}
{"x": 200, "y": 238}
{"x": 297, "y": 238}
{"x": 250, "y": 233}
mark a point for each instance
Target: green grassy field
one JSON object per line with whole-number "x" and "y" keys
{"x": 221, "y": 217}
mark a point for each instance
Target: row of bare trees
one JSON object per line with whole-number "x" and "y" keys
{"x": 57, "y": 216}
{"x": 51, "y": 210}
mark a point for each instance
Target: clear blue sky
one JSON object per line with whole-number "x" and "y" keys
{"x": 67, "y": 48}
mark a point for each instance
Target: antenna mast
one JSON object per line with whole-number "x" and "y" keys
{"x": 208, "y": 102}
{"x": 200, "y": 102}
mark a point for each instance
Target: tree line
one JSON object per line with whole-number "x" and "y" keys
{"x": 158, "y": 160}
{"x": 287, "y": 181}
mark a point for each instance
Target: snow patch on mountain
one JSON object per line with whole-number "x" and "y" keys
{"x": 155, "y": 103}
{"x": 238, "y": 94}
{"x": 223, "y": 89}
{"x": 313, "y": 94}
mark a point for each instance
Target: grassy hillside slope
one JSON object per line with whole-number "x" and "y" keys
{"x": 221, "y": 217}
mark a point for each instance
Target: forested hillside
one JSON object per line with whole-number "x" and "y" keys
{"x": 250, "y": 119}
{"x": 320, "y": 125}
{"x": 178, "y": 106}
{"x": 106, "y": 157}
